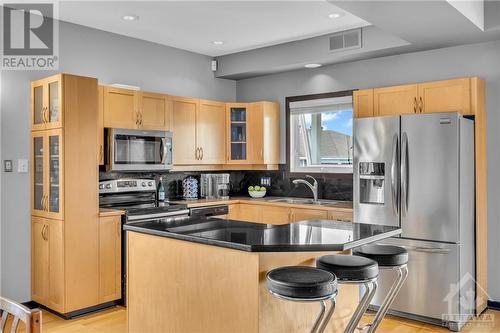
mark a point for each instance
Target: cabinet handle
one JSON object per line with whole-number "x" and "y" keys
{"x": 45, "y": 203}
{"x": 421, "y": 104}
{"x": 202, "y": 153}
{"x": 47, "y": 232}
{"x": 41, "y": 201}
{"x": 42, "y": 233}
{"x": 196, "y": 153}
{"x": 415, "y": 105}
{"x": 136, "y": 118}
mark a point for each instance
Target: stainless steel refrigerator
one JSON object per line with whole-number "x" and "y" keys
{"x": 417, "y": 171}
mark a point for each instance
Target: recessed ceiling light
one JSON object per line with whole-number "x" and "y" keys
{"x": 217, "y": 42}
{"x": 130, "y": 17}
{"x": 335, "y": 15}
{"x": 312, "y": 65}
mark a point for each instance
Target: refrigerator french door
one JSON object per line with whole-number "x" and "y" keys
{"x": 417, "y": 171}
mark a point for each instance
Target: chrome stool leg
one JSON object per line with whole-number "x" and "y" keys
{"x": 370, "y": 289}
{"x": 328, "y": 316}
{"x": 319, "y": 319}
{"x": 391, "y": 295}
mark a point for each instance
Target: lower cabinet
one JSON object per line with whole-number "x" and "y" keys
{"x": 282, "y": 214}
{"x": 109, "y": 258}
{"x": 47, "y": 272}
{"x": 299, "y": 214}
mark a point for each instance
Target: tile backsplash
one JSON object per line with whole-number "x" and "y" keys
{"x": 330, "y": 187}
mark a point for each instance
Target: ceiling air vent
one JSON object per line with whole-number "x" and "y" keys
{"x": 345, "y": 40}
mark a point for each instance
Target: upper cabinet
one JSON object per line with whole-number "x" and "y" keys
{"x": 363, "y": 103}
{"x": 391, "y": 101}
{"x": 437, "y": 96}
{"x": 253, "y": 133}
{"x": 446, "y": 96}
{"x": 211, "y": 132}
{"x": 199, "y": 128}
{"x": 123, "y": 108}
{"x": 46, "y": 103}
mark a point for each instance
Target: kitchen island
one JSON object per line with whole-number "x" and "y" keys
{"x": 208, "y": 274}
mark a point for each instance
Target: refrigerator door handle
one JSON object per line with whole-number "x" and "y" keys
{"x": 394, "y": 175}
{"x": 404, "y": 174}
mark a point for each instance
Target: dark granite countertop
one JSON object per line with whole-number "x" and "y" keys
{"x": 312, "y": 235}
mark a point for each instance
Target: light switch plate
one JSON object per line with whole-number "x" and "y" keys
{"x": 22, "y": 165}
{"x": 7, "y": 165}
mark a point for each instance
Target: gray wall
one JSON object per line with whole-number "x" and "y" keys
{"x": 112, "y": 59}
{"x": 470, "y": 60}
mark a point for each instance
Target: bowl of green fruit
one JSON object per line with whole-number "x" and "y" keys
{"x": 257, "y": 191}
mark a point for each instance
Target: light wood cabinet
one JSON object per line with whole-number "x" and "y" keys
{"x": 184, "y": 130}
{"x": 199, "y": 128}
{"x": 47, "y": 167}
{"x": 109, "y": 258}
{"x": 445, "y": 96}
{"x": 120, "y": 108}
{"x": 65, "y": 227}
{"x": 300, "y": 214}
{"x": 155, "y": 111}
{"x": 275, "y": 215}
{"x": 392, "y": 101}
{"x": 100, "y": 125}
{"x": 47, "y": 264}
{"x": 340, "y": 215}
{"x": 436, "y": 96}
{"x": 363, "y": 103}
{"x": 211, "y": 132}
{"x": 46, "y": 103}
{"x": 253, "y": 133}
{"x": 249, "y": 213}
{"x": 124, "y": 108}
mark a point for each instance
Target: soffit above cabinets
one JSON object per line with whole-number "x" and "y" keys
{"x": 195, "y": 25}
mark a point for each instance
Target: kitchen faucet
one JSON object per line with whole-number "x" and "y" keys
{"x": 313, "y": 187}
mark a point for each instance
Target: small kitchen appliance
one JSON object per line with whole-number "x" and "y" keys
{"x": 215, "y": 186}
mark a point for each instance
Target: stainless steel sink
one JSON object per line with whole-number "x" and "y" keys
{"x": 302, "y": 201}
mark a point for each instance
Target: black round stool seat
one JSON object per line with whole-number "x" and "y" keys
{"x": 349, "y": 268}
{"x": 301, "y": 282}
{"x": 385, "y": 255}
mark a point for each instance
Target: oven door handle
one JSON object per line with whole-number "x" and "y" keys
{"x": 163, "y": 150}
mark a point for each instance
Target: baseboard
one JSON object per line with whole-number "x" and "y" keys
{"x": 30, "y": 304}
{"x": 73, "y": 314}
{"x": 494, "y": 305}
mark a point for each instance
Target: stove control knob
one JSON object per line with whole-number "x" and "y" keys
{"x": 150, "y": 184}
{"x": 143, "y": 184}
{"x": 108, "y": 186}
{"x": 101, "y": 186}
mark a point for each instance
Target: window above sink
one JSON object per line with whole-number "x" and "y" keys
{"x": 320, "y": 133}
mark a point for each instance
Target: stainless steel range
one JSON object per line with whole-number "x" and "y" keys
{"x": 137, "y": 197}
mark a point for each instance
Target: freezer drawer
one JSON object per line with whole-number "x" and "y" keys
{"x": 429, "y": 292}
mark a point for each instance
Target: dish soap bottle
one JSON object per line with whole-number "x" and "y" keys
{"x": 161, "y": 191}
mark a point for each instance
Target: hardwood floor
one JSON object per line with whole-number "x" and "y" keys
{"x": 113, "y": 321}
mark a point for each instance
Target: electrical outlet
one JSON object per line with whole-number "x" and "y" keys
{"x": 22, "y": 165}
{"x": 7, "y": 165}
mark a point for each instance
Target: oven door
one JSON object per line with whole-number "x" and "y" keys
{"x": 136, "y": 150}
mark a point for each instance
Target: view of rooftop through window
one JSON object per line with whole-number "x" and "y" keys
{"x": 321, "y": 135}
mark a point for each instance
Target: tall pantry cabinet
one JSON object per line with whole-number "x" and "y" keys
{"x": 64, "y": 205}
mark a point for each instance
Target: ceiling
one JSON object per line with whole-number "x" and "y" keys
{"x": 194, "y": 25}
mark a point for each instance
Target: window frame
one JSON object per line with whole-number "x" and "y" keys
{"x": 334, "y": 171}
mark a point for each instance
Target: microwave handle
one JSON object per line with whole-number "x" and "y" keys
{"x": 163, "y": 150}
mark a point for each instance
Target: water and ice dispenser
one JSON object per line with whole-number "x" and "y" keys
{"x": 371, "y": 182}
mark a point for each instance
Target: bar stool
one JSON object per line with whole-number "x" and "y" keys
{"x": 388, "y": 257}
{"x": 351, "y": 269}
{"x": 305, "y": 284}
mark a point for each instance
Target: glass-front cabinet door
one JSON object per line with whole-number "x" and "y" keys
{"x": 237, "y": 115}
{"x": 47, "y": 173}
{"x": 54, "y": 173}
{"x": 46, "y": 103}
{"x": 38, "y": 172}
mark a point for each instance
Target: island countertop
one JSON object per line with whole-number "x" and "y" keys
{"x": 305, "y": 236}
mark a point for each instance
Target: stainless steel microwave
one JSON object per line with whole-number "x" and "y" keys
{"x": 137, "y": 150}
